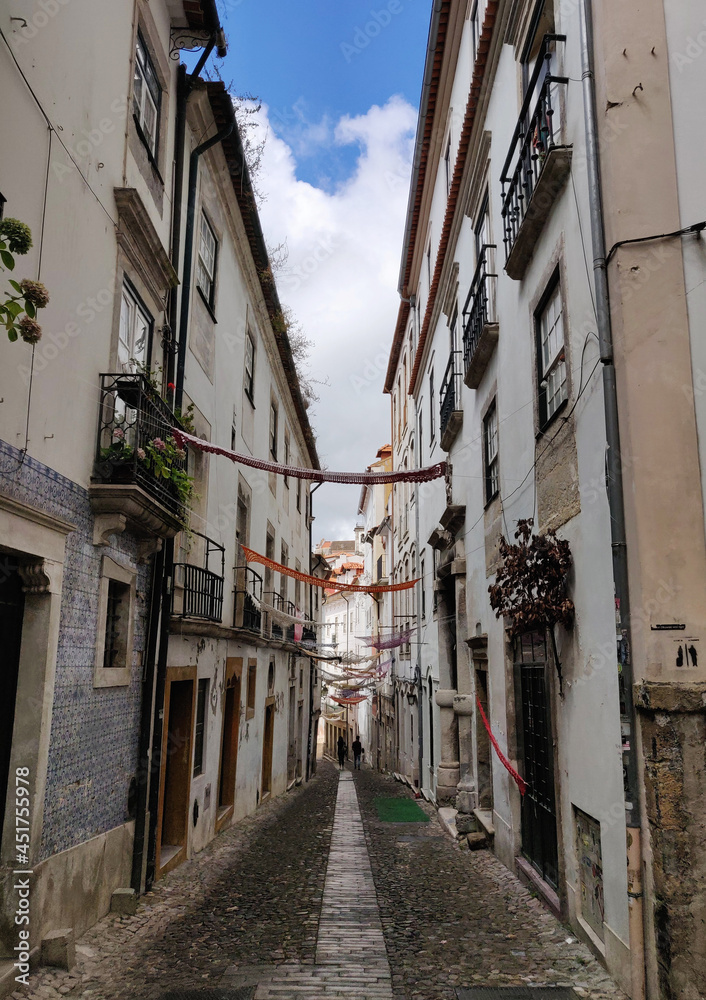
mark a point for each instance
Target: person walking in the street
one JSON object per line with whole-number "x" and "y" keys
{"x": 357, "y": 752}
{"x": 341, "y": 751}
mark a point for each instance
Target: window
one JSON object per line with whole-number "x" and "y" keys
{"x": 233, "y": 431}
{"x": 242, "y": 519}
{"x": 146, "y": 97}
{"x": 299, "y": 495}
{"x": 423, "y": 592}
{"x": 252, "y": 684}
{"x": 284, "y": 579}
{"x": 250, "y": 367}
{"x": 447, "y": 165}
{"x": 116, "y": 620}
{"x": 551, "y": 356}
{"x": 286, "y": 456}
{"x": 490, "y": 447}
{"x": 429, "y": 264}
{"x": 206, "y": 264}
{"x": 134, "y": 331}
{"x": 421, "y": 436}
{"x": 114, "y": 637}
{"x": 200, "y": 731}
{"x": 273, "y": 430}
{"x": 432, "y": 411}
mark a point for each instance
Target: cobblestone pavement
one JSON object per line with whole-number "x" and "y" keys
{"x": 249, "y": 908}
{"x": 460, "y": 918}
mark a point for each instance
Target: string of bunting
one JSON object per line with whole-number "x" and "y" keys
{"x": 437, "y": 471}
{"x": 373, "y": 588}
{"x": 517, "y": 778}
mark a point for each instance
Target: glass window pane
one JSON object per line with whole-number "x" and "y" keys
{"x": 126, "y": 308}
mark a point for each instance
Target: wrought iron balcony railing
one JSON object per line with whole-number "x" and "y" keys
{"x": 135, "y": 446}
{"x": 479, "y": 308}
{"x": 248, "y": 595}
{"x": 535, "y": 136}
{"x": 450, "y": 394}
{"x": 278, "y": 602}
{"x": 198, "y": 590}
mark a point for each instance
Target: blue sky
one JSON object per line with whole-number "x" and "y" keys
{"x": 314, "y": 61}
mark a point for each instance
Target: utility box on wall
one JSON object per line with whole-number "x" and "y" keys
{"x": 588, "y": 846}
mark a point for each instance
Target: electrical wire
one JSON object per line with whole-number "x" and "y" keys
{"x": 53, "y": 128}
{"x": 696, "y": 228}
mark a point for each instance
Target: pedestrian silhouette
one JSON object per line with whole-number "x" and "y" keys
{"x": 341, "y": 751}
{"x": 357, "y": 753}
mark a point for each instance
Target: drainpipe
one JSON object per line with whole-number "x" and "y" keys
{"x": 158, "y": 637}
{"x": 616, "y": 499}
{"x": 189, "y": 253}
{"x": 185, "y": 85}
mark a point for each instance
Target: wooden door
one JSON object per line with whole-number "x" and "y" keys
{"x": 176, "y": 773}
{"x": 267, "y": 749}
{"x": 229, "y": 749}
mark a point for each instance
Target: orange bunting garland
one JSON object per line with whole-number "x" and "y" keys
{"x": 316, "y": 582}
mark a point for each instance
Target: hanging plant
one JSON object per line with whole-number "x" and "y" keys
{"x": 18, "y": 311}
{"x": 531, "y": 584}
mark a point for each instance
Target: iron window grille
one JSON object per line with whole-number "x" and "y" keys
{"x": 450, "y": 394}
{"x": 479, "y": 307}
{"x": 490, "y": 447}
{"x": 206, "y": 264}
{"x": 116, "y": 625}
{"x": 248, "y": 597}
{"x": 202, "y": 595}
{"x": 533, "y": 138}
{"x": 146, "y": 97}
{"x": 200, "y": 728}
{"x": 551, "y": 355}
{"x": 133, "y": 416}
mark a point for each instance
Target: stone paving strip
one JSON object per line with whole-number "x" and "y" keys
{"x": 351, "y": 959}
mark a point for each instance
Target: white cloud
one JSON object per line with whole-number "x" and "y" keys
{"x": 341, "y": 282}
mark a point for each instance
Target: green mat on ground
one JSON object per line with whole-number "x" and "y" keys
{"x": 400, "y": 811}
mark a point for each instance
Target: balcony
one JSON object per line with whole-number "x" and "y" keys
{"x": 480, "y": 326}
{"x": 248, "y": 596}
{"x": 198, "y": 590}
{"x": 139, "y": 477}
{"x": 275, "y": 600}
{"x": 309, "y": 635}
{"x": 537, "y": 164}
{"x": 450, "y": 397}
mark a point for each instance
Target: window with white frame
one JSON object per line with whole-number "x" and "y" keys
{"x": 146, "y": 96}
{"x": 551, "y": 354}
{"x": 134, "y": 332}
{"x": 432, "y": 408}
{"x": 490, "y": 448}
{"x": 206, "y": 265}
{"x": 249, "y": 372}
{"x": 286, "y": 456}
{"x": 447, "y": 164}
{"x": 273, "y": 430}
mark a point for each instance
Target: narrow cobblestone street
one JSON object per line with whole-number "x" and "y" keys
{"x": 314, "y": 896}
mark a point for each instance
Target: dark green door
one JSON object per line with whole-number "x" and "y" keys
{"x": 11, "y": 611}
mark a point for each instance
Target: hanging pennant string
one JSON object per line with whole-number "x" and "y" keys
{"x": 313, "y": 475}
{"x": 517, "y": 778}
{"x": 316, "y": 582}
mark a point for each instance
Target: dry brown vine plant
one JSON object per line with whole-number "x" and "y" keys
{"x": 531, "y": 583}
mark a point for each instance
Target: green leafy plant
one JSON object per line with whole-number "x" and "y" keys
{"x": 162, "y": 458}
{"x": 18, "y": 310}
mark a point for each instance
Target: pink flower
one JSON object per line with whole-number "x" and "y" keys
{"x": 159, "y": 444}
{"x": 180, "y": 453}
{"x": 141, "y": 454}
{"x": 119, "y": 434}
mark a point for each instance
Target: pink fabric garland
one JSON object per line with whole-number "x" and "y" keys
{"x": 185, "y": 440}
{"x": 517, "y": 778}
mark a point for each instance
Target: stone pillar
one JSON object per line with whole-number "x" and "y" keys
{"x": 466, "y": 796}
{"x": 673, "y": 734}
{"x": 448, "y": 771}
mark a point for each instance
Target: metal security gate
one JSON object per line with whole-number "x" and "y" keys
{"x": 539, "y": 833}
